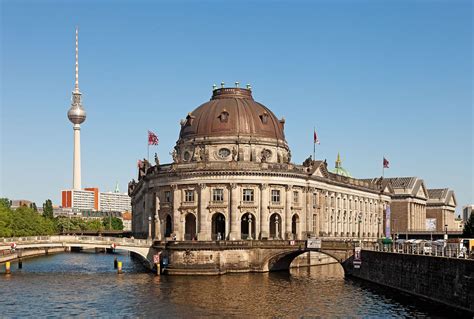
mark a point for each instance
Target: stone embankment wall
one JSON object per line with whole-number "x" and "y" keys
{"x": 26, "y": 253}
{"x": 446, "y": 280}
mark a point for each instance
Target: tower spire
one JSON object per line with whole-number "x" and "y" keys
{"x": 76, "y": 86}
{"x": 338, "y": 160}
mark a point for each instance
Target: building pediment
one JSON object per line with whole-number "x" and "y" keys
{"x": 320, "y": 170}
{"x": 419, "y": 190}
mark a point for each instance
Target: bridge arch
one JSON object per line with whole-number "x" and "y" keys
{"x": 281, "y": 260}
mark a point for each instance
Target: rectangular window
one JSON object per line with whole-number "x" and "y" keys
{"x": 315, "y": 200}
{"x": 296, "y": 198}
{"x": 167, "y": 196}
{"x": 275, "y": 196}
{"x": 189, "y": 196}
{"x": 248, "y": 195}
{"x": 218, "y": 195}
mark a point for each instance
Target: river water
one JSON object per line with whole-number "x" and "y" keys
{"x": 86, "y": 285}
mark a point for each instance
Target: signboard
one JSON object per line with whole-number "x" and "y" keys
{"x": 431, "y": 224}
{"x": 357, "y": 258}
{"x": 388, "y": 233}
{"x": 156, "y": 258}
{"x": 313, "y": 243}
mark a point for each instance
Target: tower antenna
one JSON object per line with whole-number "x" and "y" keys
{"x": 76, "y": 85}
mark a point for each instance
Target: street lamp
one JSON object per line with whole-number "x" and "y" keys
{"x": 359, "y": 218}
{"x": 276, "y": 227}
{"x": 149, "y": 227}
{"x": 250, "y": 227}
{"x": 446, "y": 232}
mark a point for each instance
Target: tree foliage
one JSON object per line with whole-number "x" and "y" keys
{"x": 469, "y": 227}
{"x": 48, "y": 209}
{"x": 5, "y": 202}
{"x": 24, "y": 221}
{"x": 113, "y": 223}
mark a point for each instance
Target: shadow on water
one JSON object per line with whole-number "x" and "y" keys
{"x": 86, "y": 284}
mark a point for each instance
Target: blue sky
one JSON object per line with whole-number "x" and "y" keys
{"x": 376, "y": 78}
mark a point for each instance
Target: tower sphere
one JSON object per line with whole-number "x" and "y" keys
{"x": 76, "y": 114}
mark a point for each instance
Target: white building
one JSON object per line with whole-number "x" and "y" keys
{"x": 115, "y": 201}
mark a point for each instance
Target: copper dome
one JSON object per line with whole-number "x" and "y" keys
{"x": 232, "y": 112}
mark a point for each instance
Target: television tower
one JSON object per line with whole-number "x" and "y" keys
{"x": 76, "y": 115}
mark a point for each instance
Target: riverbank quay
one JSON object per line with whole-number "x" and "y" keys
{"x": 449, "y": 281}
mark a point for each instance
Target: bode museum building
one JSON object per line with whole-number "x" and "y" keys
{"x": 232, "y": 178}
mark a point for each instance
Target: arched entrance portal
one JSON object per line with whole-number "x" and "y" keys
{"x": 218, "y": 227}
{"x": 168, "y": 226}
{"x": 190, "y": 227}
{"x": 295, "y": 220}
{"x": 275, "y": 226}
{"x": 247, "y": 226}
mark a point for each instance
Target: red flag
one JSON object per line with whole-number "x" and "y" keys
{"x": 152, "y": 138}
{"x": 316, "y": 141}
{"x": 385, "y": 163}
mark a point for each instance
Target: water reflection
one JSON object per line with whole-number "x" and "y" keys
{"x": 86, "y": 284}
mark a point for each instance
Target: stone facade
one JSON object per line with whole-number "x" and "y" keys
{"x": 232, "y": 178}
{"x": 412, "y": 204}
{"x": 441, "y": 206}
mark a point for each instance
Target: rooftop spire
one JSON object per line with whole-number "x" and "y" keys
{"x": 338, "y": 160}
{"x": 76, "y": 86}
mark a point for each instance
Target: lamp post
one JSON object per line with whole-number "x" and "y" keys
{"x": 276, "y": 227}
{"x": 359, "y": 218}
{"x": 149, "y": 227}
{"x": 446, "y": 232}
{"x": 250, "y": 227}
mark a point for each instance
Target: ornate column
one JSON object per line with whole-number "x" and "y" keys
{"x": 177, "y": 227}
{"x": 234, "y": 233}
{"x": 287, "y": 218}
{"x": 157, "y": 218}
{"x": 204, "y": 229}
{"x": 264, "y": 219}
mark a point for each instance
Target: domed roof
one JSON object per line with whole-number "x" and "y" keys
{"x": 232, "y": 112}
{"x": 338, "y": 169}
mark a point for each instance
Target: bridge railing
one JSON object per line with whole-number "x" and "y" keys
{"x": 422, "y": 247}
{"x": 72, "y": 238}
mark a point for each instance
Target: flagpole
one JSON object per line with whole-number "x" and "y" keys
{"x": 383, "y": 167}
{"x": 314, "y": 144}
{"x": 148, "y": 146}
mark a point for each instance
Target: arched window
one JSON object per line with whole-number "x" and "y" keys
{"x": 218, "y": 227}
{"x": 247, "y": 226}
{"x": 168, "y": 226}
{"x": 190, "y": 227}
{"x": 275, "y": 226}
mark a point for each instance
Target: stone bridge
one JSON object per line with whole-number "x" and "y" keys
{"x": 220, "y": 257}
{"x": 141, "y": 247}
{"x": 196, "y": 257}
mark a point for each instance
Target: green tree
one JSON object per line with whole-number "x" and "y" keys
{"x": 94, "y": 225}
{"x": 33, "y": 206}
{"x": 115, "y": 222}
{"x": 5, "y": 202}
{"x": 468, "y": 230}
{"x": 5, "y": 220}
{"x": 48, "y": 209}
